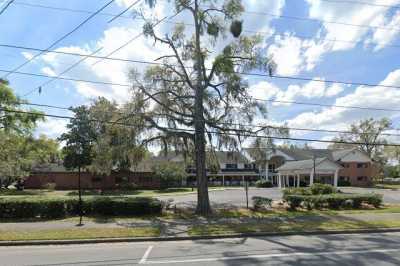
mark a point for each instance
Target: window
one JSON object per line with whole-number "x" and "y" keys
{"x": 248, "y": 166}
{"x": 96, "y": 179}
{"x": 231, "y": 166}
{"x": 361, "y": 178}
{"x": 362, "y": 165}
{"x": 344, "y": 178}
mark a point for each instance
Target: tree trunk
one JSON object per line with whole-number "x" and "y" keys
{"x": 203, "y": 202}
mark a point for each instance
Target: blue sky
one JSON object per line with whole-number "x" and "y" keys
{"x": 300, "y": 47}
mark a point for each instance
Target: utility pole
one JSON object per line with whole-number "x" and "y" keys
{"x": 314, "y": 166}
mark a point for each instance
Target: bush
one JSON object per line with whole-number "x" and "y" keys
{"x": 57, "y": 208}
{"x": 322, "y": 189}
{"x": 127, "y": 186}
{"x": 261, "y": 202}
{"x": 50, "y": 186}
{"x": 294, "y": 201}
{"x": 344, "y": 183}
{"x": 333, "y": 201}
{"x": 297, "y": 191}
{"x": 264, "y": 184}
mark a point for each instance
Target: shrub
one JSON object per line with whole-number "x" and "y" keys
{"x": 127, "y": 186}
{"x": 322, "y": 189}
{"x": 264, "y": 184}
{"x": 296, "y": 191}
{"x": 294, "y": 201}
{"x": 344, "y": 183}
{"x": 333, "y": 201}
{"x": 57, "y": 208}
{"x": 50, "y": 186}
{"x": 261, "y": 202}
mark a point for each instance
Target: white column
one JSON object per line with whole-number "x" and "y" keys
{"x": 279, "y": 180}
{"x": 312, "y": 177}
{"x": 223, "y": 180}
{"x": 243, "y": 180}
{"x": 335, "y": 179}
{"x": 287, "y": 181}
{"x": 298, "y": 180}
{"x": 266, "y": 170}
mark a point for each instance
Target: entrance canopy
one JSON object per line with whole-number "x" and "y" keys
{"x": 322, "y": 166}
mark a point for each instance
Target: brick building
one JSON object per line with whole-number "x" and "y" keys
{"x": 65, "y": 180}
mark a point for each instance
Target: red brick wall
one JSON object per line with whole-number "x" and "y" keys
{"x": 353, "y": 173}
{"x": 69, "y": 180}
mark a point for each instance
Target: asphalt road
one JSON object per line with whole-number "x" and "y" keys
{"x": 237, "y": 196}
{"x": 352, "y": 249}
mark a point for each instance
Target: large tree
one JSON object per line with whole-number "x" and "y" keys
{"x": 11, "y": 117}
{"x": 19, "y": 150}
{"x": 117, "y": 145}
{"x": 196, "y": 96}
{"x": 368, "y": 133}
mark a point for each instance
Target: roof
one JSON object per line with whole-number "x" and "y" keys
{"x": 300, "y": 165}
{"x": 305, "y": 154}
{"x": 307, "y": 164}
{"x": 49, "y": 167}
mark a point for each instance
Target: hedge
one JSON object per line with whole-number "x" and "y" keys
{"x": 261, "y": 202}
{"x": 264, "y": 184}
{"x": 315, "y": 189}
{"x": 48, "y": 208}
{"x": 333, "y": 201}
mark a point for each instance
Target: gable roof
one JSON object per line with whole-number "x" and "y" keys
{"x": 307, "y": 164}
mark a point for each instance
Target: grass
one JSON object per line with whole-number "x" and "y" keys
{"x": 388, "y": 186}
{"x": 78, "y": 233}
{"x": 287, "y": 226}
{"x": 68, "y": 193}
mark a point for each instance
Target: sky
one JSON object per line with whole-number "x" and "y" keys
{"x": 332, "y": 40}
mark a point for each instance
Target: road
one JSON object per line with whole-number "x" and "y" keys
{"x": 237, "y": 196}
{"x": 352, "y": 249}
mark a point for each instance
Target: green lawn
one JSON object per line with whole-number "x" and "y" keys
{"x": 78, "y": 233}
{"x": 286, "y": 226}
{"x": 131, "y": 193}
{"x": 387, "y": 186}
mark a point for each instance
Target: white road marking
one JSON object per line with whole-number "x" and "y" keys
{"x": 263, "y": 256}
{"x": 146, "y": 255}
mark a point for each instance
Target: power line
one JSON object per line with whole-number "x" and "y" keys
{"x": 118, "y": 48}
{"x": 241, "y": 73}
{"x": 360, "y": 3}
{"x": 249, "y": 135}
{"x": 59, "y": 75}
{"x": 6, "y": 6}
{"x": 62, "y": 38}
{"x": 319, "y": 20}
{"x": 124, "y": 11}
{"x": 266, "y": 100}
{"x": 249, "y": 12}
{"x": 226, "y": 123}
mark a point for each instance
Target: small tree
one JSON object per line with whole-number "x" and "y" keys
{"x": 78, "y": 149}
{"x": 169, "y": 173}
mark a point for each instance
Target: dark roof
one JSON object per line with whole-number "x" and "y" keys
{"x": 231, "y": 157}
{"x": 49, "y": 168}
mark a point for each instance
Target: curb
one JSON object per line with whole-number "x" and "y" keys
{"x": 182, "y": 238}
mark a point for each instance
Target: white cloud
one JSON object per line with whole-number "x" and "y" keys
{"x": 382, "y": 37}
{"x": 27, "y": 55}
{"x": 356, "y": 14}
{"x": 294, "y": 55}
{"x": 340, "y": 118}
{"x": 52, "y": 127}
{"x": 312, "y": 89}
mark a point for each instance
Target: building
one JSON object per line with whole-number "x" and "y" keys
{"x": 63, "y": 179}
{"x": 294, "y": 167}
{"x": 283, "y": 167}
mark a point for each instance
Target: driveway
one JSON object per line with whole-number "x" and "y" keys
{"x": 237, "y": 196}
